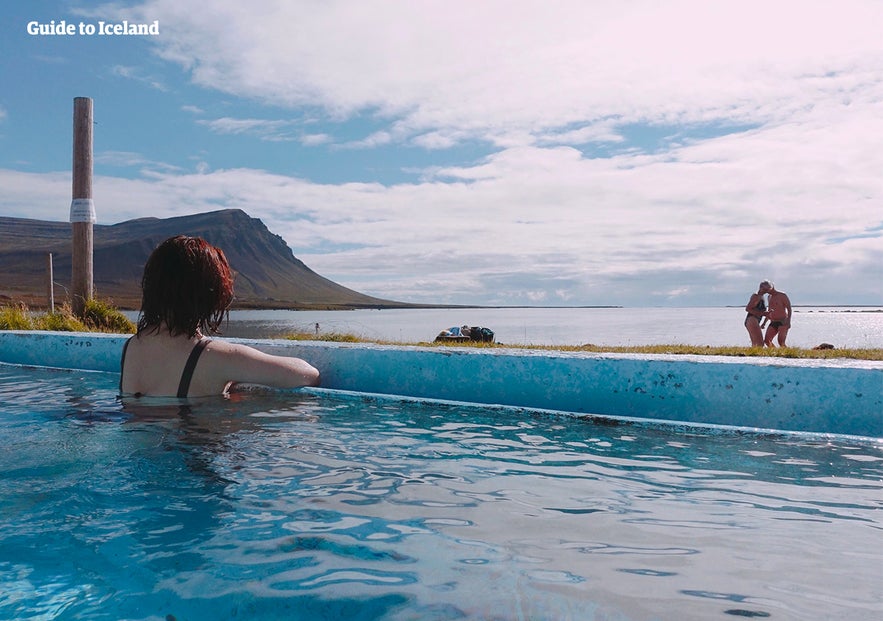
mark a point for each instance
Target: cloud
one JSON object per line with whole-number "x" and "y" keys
{"x": 527, "y": 72}
{"x": 314, "y": 140}
{"x": 271, "y": 130}
{"x": 376, "y": 139}
{"x": 437, "y": 140}
{"x": 126, "y": 159}
{"x": 134, "y": 73}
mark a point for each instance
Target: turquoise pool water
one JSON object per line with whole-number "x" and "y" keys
{"x": 332, "y": 506}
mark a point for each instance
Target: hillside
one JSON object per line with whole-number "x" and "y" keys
{"x": 268, "y": 275}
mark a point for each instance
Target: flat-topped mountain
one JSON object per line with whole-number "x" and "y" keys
{"x": 268, "y": 275}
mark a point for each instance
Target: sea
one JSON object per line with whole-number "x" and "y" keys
{"x": 844, "y": 327}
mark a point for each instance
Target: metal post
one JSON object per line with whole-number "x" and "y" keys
{"x": 50, "y": 286}
{"x": 82, "y": 214}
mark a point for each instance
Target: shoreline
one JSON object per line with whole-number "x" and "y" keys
{"x": 38, "y": 303}
{"x": 574, "y": 328}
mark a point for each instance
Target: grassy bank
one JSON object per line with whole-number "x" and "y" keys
{"x": 783, "y": 352}
{"x": 98, "y": 316}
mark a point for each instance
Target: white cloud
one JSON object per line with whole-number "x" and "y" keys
{"x": 314, "y": 140}
{"x": 439, "y": 139}
{"x": 516, "y": 72}
{"x": 131, "y": 159}
{"x": 265, "y": 129}
{"x": 134, "y": 73}
{"x": 376, "y": 139}
{"x": 270, "y": 130}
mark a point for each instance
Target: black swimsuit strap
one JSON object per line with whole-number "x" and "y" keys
{"x": 123, "y": 361}
{"x": 187, "y": 375}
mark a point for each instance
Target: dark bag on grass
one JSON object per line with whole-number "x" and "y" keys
{"x": 483, "y": 335}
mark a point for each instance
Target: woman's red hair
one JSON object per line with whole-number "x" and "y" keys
{"x": 187, "y": 287}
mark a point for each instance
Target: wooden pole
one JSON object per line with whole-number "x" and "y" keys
{"x": 50, "y": 286}
{"x": 82, "y": 209}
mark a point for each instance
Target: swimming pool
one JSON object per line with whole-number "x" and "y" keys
{"x": 323, "y": 505}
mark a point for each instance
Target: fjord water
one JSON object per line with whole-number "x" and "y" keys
{"x": 860, "y": 327}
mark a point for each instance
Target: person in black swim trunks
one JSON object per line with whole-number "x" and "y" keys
{"x": 187, "y": 288}
{"x": 756, "y": 309}
{"x": 780, "y": 317}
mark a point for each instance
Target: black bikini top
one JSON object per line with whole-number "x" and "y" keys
{"x": 186, "y": 375}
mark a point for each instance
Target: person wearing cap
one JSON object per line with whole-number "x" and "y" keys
{"x": 780, "y": 317}
{"x": 756, "y": 309}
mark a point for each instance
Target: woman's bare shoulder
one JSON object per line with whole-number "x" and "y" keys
{"x": 241, "y": 350}
{"x": 242, "y": 363}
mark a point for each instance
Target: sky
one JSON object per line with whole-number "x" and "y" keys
{"x": 515, "y": 152}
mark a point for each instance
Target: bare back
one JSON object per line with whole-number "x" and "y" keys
{"x": 780, "y": 307}
{"x": 154, "y": 364}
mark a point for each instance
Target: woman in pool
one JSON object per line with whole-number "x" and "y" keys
{"x": 756, "y": 309}
{"x": 187, "y": 289}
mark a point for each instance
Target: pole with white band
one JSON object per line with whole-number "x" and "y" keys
{"x": 82, "y": 215}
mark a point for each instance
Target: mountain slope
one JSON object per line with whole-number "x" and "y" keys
{"x": 268, "y": 275}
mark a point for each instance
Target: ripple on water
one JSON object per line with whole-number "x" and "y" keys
{"x": 280, "y": 503}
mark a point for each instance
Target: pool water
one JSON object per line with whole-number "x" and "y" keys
{"x": 316, "y": 505}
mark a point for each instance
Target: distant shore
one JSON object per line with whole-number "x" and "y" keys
{"x": 39, "y": 303}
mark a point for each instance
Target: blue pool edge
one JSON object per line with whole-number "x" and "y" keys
{"x": 836, "y": 396}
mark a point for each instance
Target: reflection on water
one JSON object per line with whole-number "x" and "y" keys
{"x": 300, "y": 505}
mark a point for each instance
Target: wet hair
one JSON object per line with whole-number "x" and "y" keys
{"x": 187, "y": 285}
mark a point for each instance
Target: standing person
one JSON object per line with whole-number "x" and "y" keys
{"x": 756, "y": 309}
{"x": 780, "y": 317}
{"x": 187, "y": 288}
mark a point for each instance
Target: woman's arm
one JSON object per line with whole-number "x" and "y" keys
{"x": 237, "y": 363}
{"x": 751, "y": 307}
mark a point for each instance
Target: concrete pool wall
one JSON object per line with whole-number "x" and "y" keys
{"x": 826, "y": 396}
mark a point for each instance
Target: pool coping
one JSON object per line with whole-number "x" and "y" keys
{"x": 840, "y": 396}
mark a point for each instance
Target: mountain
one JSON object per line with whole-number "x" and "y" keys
{"x": 268, "y": 275}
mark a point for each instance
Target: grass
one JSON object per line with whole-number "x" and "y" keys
{"x": 102, "y": 316}
{"x": 15, "y": 318}
{"x": 778, "y": 352}
{"x": 334, "y": 337}
{"x": 98, "y": 316}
